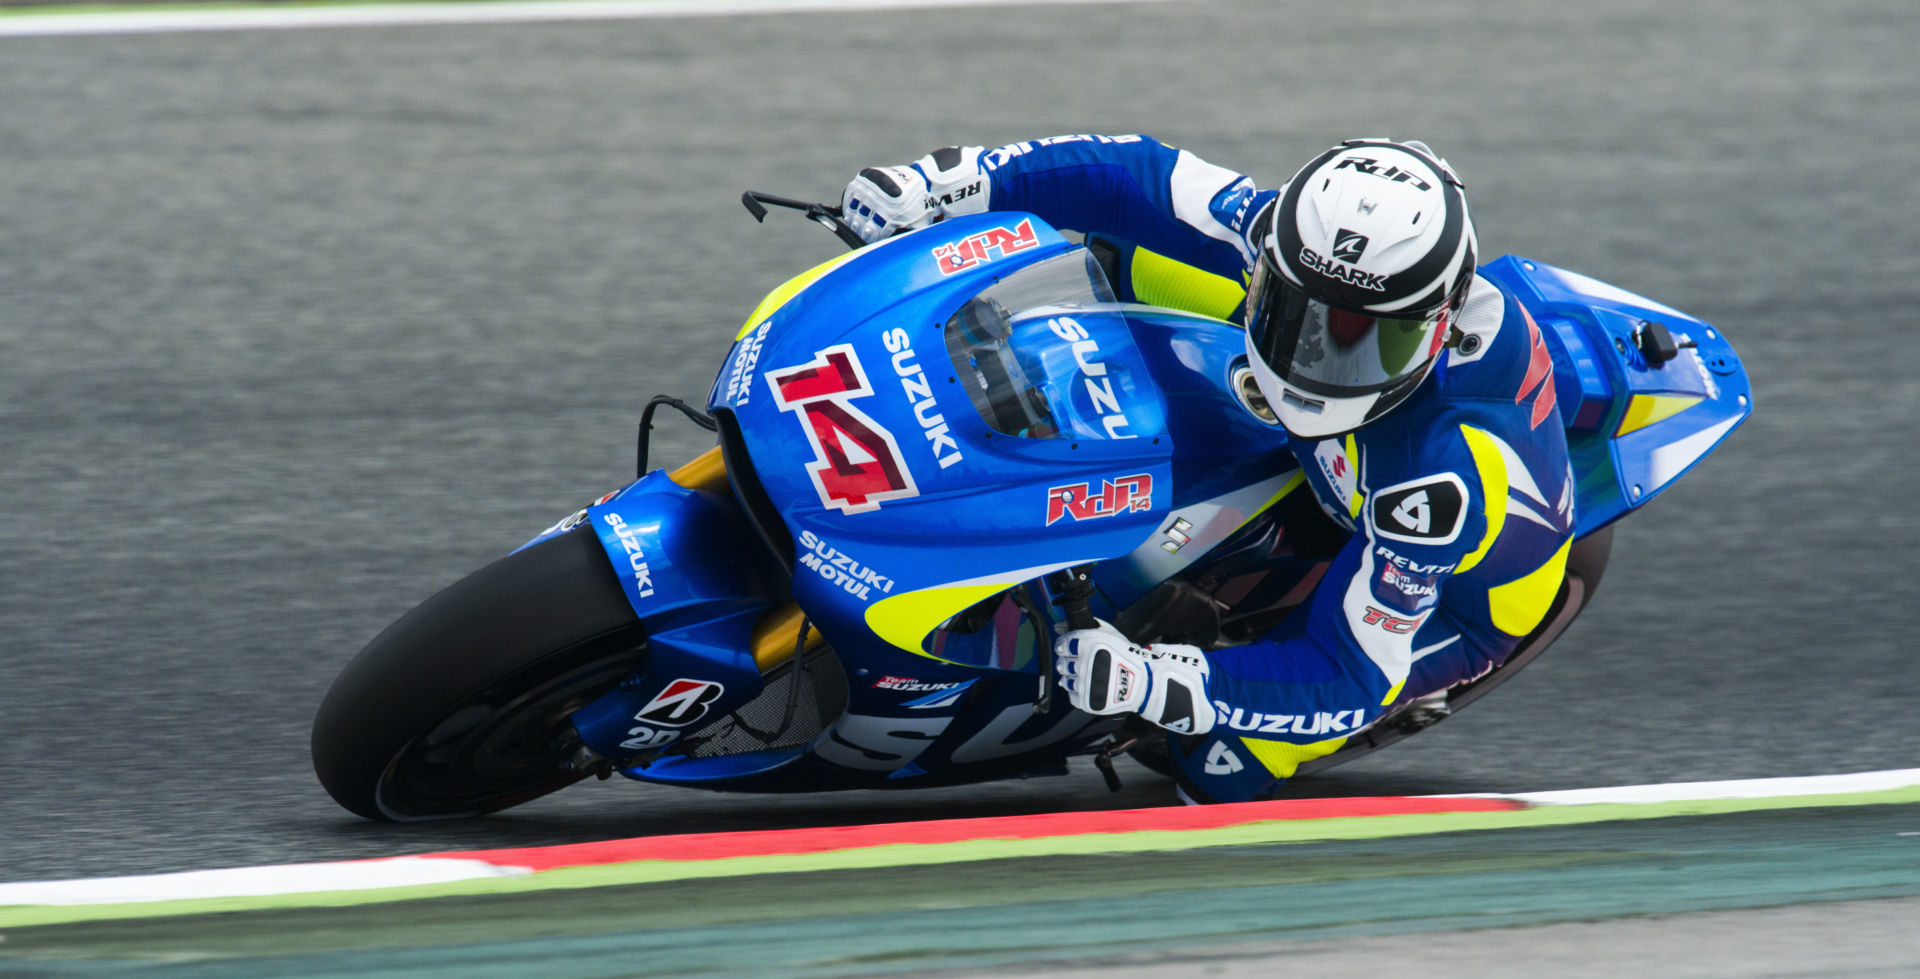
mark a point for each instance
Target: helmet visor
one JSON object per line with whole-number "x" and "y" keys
{"x": 1331, "y": 351}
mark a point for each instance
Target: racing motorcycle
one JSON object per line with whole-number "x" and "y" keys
{"x": 933, "y": 454}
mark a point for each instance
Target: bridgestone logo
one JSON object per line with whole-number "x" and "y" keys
{"x": 1373, "y": 281}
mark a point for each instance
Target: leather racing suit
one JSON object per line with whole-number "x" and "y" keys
{"x": 1458, "y": 502}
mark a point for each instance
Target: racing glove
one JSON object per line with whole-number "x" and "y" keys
{"x": 885, "y": 201}
{"x": 1166, "y": 683}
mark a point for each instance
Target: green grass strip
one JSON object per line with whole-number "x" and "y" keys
{"x": 924, "y": 854}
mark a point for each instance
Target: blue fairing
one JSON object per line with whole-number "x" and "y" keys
{"x": 690, "y": 569}
{"x": 1599, "y": 373}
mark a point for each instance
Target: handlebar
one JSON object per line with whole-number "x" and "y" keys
{"x": 827, "y": 215}
{"x": 1076, "y": 590}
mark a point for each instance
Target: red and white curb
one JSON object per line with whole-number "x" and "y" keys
{"x": 455, "y": 867}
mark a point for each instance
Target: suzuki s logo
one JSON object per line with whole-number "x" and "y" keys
{"x": 857, "y": 465}
{"x": 1221, "y": 760}
{"x": 681, "y": 703}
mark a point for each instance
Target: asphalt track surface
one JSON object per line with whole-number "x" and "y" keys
{"x": 298, "y": 327}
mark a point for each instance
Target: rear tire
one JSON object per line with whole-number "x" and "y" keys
{"x": 461, "y": 707}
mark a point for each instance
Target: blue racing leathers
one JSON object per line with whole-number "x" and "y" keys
{"x": 1459, "y": 502}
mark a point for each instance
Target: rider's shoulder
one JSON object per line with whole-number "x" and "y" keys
{"x": 1491, "y": 328}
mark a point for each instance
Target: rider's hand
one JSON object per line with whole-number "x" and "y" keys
{"x": 885, "y": 201}
{"x": 1103, "y": 673}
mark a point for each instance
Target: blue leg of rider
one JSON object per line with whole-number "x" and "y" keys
{"x": 1222, "y": 766}
{"x": 1218, "y": 767}
{"x": 1458, "y": 658}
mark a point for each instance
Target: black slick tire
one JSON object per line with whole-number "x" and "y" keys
{"x": 460, "y": 707}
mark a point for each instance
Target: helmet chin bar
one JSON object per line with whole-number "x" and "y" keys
{"x": 1310, "y": 416}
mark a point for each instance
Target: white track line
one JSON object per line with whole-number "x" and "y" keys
{"x": 298, "y": 878}
{"x": 30, "y": 24}
{"x": 1756, "y": 788}
{"x": 403, "y": 871}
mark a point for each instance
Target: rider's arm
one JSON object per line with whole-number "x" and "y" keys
{"x": 1132, "y": 187}
{"x": 1135, "y": 188}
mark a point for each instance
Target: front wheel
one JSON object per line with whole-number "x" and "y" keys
{"x": 461, "y": 707}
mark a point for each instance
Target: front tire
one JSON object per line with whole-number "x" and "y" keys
{"x": 461, "y": 707}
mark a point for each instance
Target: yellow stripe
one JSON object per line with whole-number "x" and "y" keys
{"x": 1161, "y": 281}
{"x": 1645, "y": 409}
{"x": 1293, "y": 483}
{"x": 905, "y": 620}
{"x": 1492, "y": 468}
{"x": 786, "y": 291}
{"x": 1353, "y": 463}
{"x": 1519, "y": 605}
{"x": 1283, "y": 759}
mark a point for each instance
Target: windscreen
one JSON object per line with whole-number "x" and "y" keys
{"x": 1002, "y": 367}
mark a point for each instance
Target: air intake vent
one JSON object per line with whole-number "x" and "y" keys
{"x": 766, "y": 520}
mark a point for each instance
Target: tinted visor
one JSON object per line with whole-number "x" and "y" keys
{"x": 1330, "y": 351}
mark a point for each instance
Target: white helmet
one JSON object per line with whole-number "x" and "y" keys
{"x": 1364, "y": 264}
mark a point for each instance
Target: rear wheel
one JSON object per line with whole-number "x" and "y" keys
{"x": 461, "y": 707}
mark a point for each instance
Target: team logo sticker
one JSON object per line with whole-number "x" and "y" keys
{"x": 681, "y": 703}
{"x": 994, "y": 243}
{"x": 1348, "y": 246}
{"x": 1221, "y": 760}
{"x": 1428, "y": 510}
{"x": 1079, "y": 501}
{"x": 643, "y": 738}
{"x": 857, "y": 464}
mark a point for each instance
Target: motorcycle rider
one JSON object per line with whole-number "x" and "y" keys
{"x": 1417, "y": 397}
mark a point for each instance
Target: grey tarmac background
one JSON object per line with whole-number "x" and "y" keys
{"x": 298, "y": 327}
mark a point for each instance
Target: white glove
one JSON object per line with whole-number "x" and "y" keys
{"x": 1166, "y": 683}
{"x": 885, "y": 201}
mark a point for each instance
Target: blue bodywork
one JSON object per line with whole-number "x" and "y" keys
{"x": 941, "y": 420}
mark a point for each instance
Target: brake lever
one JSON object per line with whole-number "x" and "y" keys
{"x": 826, "y": 215}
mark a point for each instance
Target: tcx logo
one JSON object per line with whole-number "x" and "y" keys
{"x": 986, "y": 246}
{"x": 1127, "y": 493}
{"x": 1392, "y": 623}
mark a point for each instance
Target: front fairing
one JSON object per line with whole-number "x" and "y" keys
{"x": 903, "y": 504}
